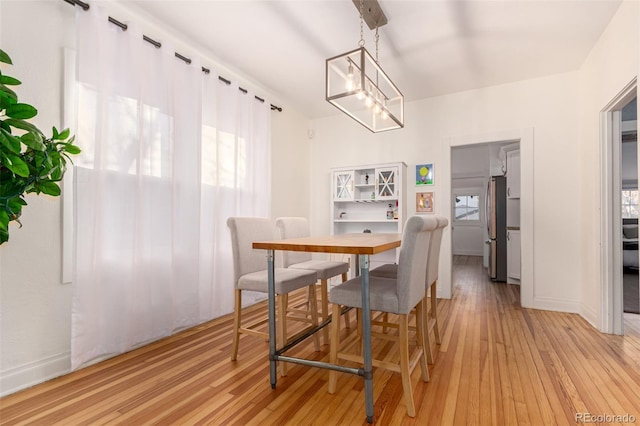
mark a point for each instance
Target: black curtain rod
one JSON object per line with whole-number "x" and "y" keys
{"x": 157, "y": 44}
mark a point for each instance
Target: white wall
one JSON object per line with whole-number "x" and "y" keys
{"x": 290, "y": 160}
{"x": 548, "y": 105}
{"x": 35, "y": 307}
{"x": 611, "y": 65}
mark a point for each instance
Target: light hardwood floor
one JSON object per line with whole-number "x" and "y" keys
{"x": 498, "y": 364}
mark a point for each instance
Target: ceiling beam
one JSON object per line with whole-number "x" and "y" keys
{"x": 372, "y": 13}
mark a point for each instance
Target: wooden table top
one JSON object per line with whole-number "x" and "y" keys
{"x": 341, "y": 243}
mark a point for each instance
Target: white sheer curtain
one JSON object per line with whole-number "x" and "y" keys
{"x": 168, "y": 154}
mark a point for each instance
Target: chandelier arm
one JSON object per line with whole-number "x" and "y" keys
{"x": 377, "y": 39}
{"x": 361, "y": 42}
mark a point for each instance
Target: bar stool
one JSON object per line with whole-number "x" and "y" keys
{"x": 250, "y": 274}
{"x": 298, "y": 227}
{"x": 397, "y": 295}
{"x": 389, "y": 270}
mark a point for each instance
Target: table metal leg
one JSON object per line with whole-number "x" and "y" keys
{"x": 366, "y": 336}
{"x": 273, "y": 365}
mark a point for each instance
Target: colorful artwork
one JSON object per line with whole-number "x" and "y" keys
{"x": 424, "y": 202}
{"x": 424, "y": 174}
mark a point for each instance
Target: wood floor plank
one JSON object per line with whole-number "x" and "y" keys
{"x": 498, "y": 364}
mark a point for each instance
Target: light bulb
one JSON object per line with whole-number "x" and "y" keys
{"x": 349, "y": 83}
{"x": 384, "y": 114}
{"x": 368, "y": 101}
{"x": 377, "y": 108}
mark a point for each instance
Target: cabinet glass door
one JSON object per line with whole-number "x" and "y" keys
{"x": 343, "y": 186}
{"x": 386, "y": 186}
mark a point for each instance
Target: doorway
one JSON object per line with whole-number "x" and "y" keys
{"x": 525, "y": 138}
{"x": 629, "y": 210}
{"x": 619, "y": 205}
{"x": 478, "y": 228}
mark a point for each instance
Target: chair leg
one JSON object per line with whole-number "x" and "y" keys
{"x": 347, "y": 316}
{"x": 425, "y": 324}
{"x": 404, "y": 365}
{"x": 313, "y": 311}
{"x": 421, "y": 335}
{"x": 324, "y": 300}
{"x": 236, "y": 324}
{"x": 335, "y": 344}
{"x": 282, "y": 301}
{"x": 434, "y": 312}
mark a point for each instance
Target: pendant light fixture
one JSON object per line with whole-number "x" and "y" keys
{"x": 357, "y": 85}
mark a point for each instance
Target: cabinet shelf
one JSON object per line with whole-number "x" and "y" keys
{"x": 375, "y": 200}
{"x": 365, "y": 221}
{"x": 367, "y": 200}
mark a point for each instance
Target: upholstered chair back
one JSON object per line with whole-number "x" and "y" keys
{"x": 434, "y": 250}
{"x": 293, "y": 227}
{"x": 412, "y": 261}
{"x": 244, "y": 231}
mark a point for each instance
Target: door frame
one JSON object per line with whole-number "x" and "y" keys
{"x": 525, "y": 137}
{"x": 612, "y": 320}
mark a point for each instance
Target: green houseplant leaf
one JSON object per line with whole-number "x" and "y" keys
{"x": 49, "y": 188}
{"x": 5, "y": 58}
{"x": 9, "y": 141}
{"x": 15, "y": 164}
{"x": 5, "y": 79}
{"x": 22, "y": 111}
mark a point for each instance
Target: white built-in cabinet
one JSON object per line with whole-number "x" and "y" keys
{"x": 371, "y": 198}
{"x": 513, "y": 255}
{"x": 513, "y": 173}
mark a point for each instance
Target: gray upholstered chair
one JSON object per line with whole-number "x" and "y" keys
{"x": 250, "y": 273}
{"x": 298, "y": 227}
{"x": 393, "y": 295}
{"x": 390, "y": 270}
{"x": 432, "y": 276}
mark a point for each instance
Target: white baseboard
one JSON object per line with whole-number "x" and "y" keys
{"x": 33, "y": 373}
{"x": 591, "y": 316}
{"x": 558, "y": 305}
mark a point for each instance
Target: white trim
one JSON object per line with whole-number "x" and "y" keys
{"x": 589, "y": 314}
{"x": 527, "y": 278}
{"x": 33, "y": 373}
{"x": 68, "y": 121}
{"x": 611, "y": 320}
{"x": 525, "y": 137}
{"x": 555, "y": 304}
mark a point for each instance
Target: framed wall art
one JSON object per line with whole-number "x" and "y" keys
{"x": 424, "y": 174}
{"x": 424, "y": 202}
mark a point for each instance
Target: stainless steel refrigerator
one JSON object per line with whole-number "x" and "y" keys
{"x": 496, "y": 214}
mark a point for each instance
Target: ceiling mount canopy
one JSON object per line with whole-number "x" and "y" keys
{"x": 356, "y": 84}
{"x": 372, "y": 13}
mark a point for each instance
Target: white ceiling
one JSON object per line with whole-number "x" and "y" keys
{"x": 428, "y": 48}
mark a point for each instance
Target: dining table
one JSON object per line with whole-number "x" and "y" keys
{"x": 363, "y": 246}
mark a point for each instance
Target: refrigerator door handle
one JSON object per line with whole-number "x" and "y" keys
{"x": 486, "y": 207}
